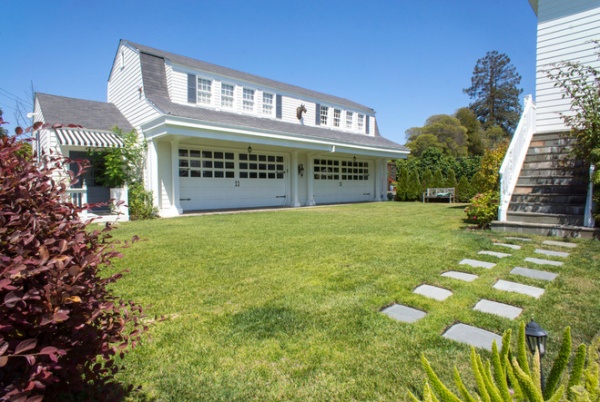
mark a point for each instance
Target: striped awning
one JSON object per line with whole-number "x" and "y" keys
{"x": 88, "y": 138}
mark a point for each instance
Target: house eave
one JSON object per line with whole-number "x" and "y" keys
{"x": 181, "y": 127}
{"x": 534, "y": 5}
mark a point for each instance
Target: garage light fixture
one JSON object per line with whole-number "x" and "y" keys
{"x": 249, "y": 149}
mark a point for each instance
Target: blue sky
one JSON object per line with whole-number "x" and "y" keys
{"x": 406, "y": 59}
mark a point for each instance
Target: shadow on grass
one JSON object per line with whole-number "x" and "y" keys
{"x": 269, "y": 322}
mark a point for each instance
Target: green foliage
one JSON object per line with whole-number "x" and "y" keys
{"x": 438, "y": 179}
{"x": 495, "y": 93}
{"x": 451, "y": 179}
{"x": 140, "y": 203}
{"x": 504, "y": 380}
{"x": 463, "y": 190}
{"x": 402, "y": 184}
{"x": 122, "y": 165}
{"x": 413, "y": 188}
{"x": 483, "y": 209}
{"x": 476, "y": 141}
{"x": 426, "y": 180}
{"x": 560, "y": 363}
{"x": 489, "y": 168}
{"x": 440, "y": 131}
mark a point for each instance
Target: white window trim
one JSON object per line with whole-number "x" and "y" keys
{"x": 223, "y": 84}
{"x": 327, "y": 120}
{"x": 351, "y": 126}
{"x": 360, "y": 120}
{"x": 244, "y": 109}
{"x": 212, "y": 86}
{"x": 272, "y": 104}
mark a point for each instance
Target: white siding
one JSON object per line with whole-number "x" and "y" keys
{"x": 177, "y": 82}
{"x": 124, "y": 88}
{"x": 564, "y": 34}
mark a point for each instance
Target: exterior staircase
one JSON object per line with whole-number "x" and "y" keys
{"x": 550, "y": 194}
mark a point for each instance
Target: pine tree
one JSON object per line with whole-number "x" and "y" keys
{"x": 463, "y": 190}
{"x": 402, "y": 181}
{"x": 438, "y": 179}
{"x": 451, "y": 179}
{"x": 413, "y": 189}
{"x": 426, "y": 180}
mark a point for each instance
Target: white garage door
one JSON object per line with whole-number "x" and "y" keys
{"x": 342, "y": 180}
{"x": 216, "y": 179}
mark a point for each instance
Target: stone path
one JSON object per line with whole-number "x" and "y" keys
{"x": 480, "y": 337}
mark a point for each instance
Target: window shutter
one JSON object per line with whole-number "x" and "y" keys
{"x": 367, "y": 123}
{"x": 318, "y": 114}
{"x": 192, "y": 93}
{"x": 278, "y": 107}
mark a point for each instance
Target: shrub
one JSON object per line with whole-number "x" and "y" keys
{"x": 413, "y": 188}
{"x": 463, "y": 190}
{"x": 510, "y": 377}
{"x": 61, "y": 328}
{"x": 438, "y": 179}
{"x": 483, "y": 209}
{"x": 426, "y": 180}
{"x": 402, "y": 185}
{"x": 140, "y": 203}
{"x": 451, "y": 179}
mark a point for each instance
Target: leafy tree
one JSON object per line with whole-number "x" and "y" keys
{"x": 475, "y": 134}
{"x": 3, "y": 132}
{"x": 495, "y": 91}
{"x": 440, "y": 131}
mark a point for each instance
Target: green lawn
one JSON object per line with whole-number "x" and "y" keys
{"x": 285, "y": 305}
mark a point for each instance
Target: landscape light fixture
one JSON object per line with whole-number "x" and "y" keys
{"x": 536, "y": 339}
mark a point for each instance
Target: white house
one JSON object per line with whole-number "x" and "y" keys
{"x": 543, "y": 189}
{"x": 220, "y": 138}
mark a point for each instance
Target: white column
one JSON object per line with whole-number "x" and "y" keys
{"x": 294, "y": 168}
{"x": 310, "y": 197}
{"x": 379, "y": 178}
{"x": 175, "y": 188}
{"x": 153, "y": 173}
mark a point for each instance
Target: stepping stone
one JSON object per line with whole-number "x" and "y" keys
{"x": 518, "y": 238}
{"x": 551, "y": 253}
{"x": 433, "y": 292}
{"x": 519, "y": 288}
{"x": 540, "y": 261}
{"x": 461, "y": 276}
{"x": 403, "y": 313}
{"x": 513, "y": 246}
{"x": 534, "y": 273}
{"x": 499, "y": 309}
{"x": 480, "y": 338}
{"x": 494, "y": 253}
{"x": 477, "y": 263}
{"x": 559, "y": 243}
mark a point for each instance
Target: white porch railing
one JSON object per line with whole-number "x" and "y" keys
{"x": 78, "y": 196}
{"x": 513, "y": 161}
{"x": 588, "y": 217}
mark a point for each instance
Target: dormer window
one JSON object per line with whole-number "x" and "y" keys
{"x": 248, "y": 100}
{"x": 227, "y": 95}
{"x": 337, "y": 115}
{"x": 323, "y": 114}
{"x": 204, "y": 91}
{"x": 361, "y": 122}
{"x": 267, "y": 105}
{"x": 349, "y": 119}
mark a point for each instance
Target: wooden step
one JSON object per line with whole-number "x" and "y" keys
{"x": 550, "y": 219}
{"x": 550, "y": 198}
{"x": 547, "y": 208}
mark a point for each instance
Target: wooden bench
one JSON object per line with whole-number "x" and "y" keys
{"x": 438, "y": 193}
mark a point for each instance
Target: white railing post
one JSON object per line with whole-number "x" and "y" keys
{"x": 588, "y": 218}
{"x": 515, "y": 156}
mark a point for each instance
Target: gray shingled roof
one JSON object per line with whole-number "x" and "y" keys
{"x": 155, "y": 88}
{"x": 228, "y": 72}
{"x": 88, "y": 114}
